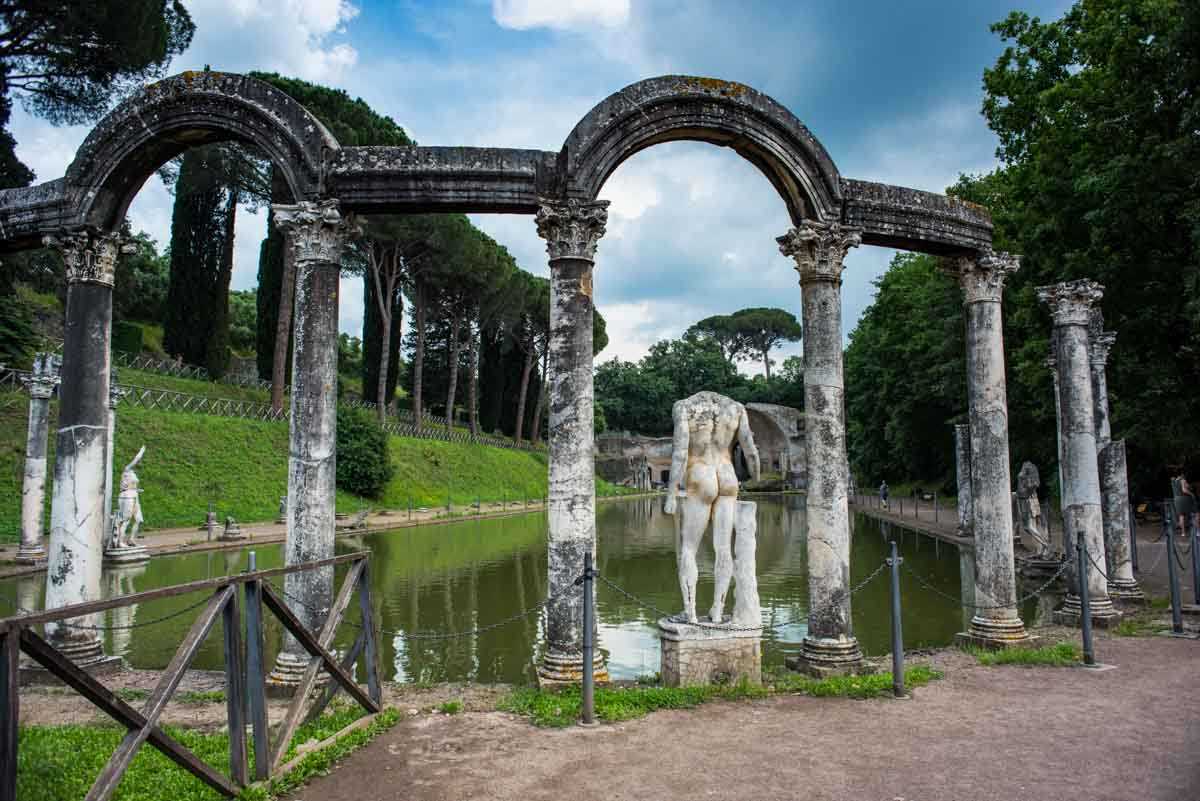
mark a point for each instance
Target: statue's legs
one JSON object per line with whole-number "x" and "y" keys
{"x": 723, "y": 513}
{"x": 697, "y": 509}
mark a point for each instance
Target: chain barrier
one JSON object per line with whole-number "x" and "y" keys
{"x": 977, "y": 607}
{"x": 116, "y": 627}
{"x": 1097, "y": 567}
{"x": 674, "y": 615}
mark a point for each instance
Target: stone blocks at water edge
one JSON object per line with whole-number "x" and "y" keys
{"x": 704, "y": 653}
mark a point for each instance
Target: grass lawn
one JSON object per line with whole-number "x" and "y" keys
{"x": 241, "y": 465}
{"x": 1063, "y": 654}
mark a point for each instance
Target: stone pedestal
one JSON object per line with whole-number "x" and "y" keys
{"x": 706, "y": 654}
{"x": 126, "y": 555}
{"x": 571, "y": 229}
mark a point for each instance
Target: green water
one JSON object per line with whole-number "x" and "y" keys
{"x": 462, "y": 576}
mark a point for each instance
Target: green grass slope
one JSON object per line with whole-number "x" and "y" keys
{"x": 241, "y": 466}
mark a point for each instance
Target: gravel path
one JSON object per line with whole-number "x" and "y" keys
{"x": 980, "y": 734}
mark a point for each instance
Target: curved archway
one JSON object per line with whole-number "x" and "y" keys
{"x": 189, "y": 109}
{"x": 679, "y": 107}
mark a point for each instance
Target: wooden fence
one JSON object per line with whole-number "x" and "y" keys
{"x": 245, "y": 675}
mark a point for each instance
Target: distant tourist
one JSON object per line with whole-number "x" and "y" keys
{"x": 883, "y": 495}
{"x": 1185, "y": 502}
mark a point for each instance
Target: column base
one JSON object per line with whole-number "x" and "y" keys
{"x": 1104, "y": 614}
{"x": 86, "y": 653}
{"x": 823, "y": 657}
{"x": 283, "y": 681}
{"x": 30, "y": 555}
{"x": 127, "y": 555}
{"x": 1126, "y": 591}
{"x": 560, "y": 669}
{"x": 995, "y": 634}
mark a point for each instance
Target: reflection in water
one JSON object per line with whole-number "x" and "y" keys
{"x": 473, "y": 574}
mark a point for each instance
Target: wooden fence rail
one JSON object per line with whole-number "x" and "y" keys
{"x": 245, "y": 674}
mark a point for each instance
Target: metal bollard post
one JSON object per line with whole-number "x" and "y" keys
{"x": 410, "y": 508}
{"x": 1195, "y": 565}
{"x": 1085, "y": 602}
{"x": 935, "y": 508}
{"x": 901, "y": 499}
{"x": 1133, "y": 537}
{"x": 1168, "y": 522}
{"x": 1173, "y": 580}
{"x": 589, "y": 643}
{"x": 897, "y": 637}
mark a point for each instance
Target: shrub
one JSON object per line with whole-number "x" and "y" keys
{"x": 363, "y": 466}
{"x": 127, "y": 337}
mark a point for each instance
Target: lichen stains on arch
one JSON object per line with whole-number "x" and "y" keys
{"x": 725, "y": 113}
{"x": 185, "y": 110}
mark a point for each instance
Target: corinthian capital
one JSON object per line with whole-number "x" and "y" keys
{"x": 89, "y": 257}
{"x": 982, "y": 275}
{"x": 316, "y": 230}
{"x": 44, "y": 378}
{"x": 819, "y": 249}
{"x": 1071, "y": 302}
{"x": 571, "y": 227}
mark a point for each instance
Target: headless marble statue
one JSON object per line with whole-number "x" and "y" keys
{"x": 701, "y": 463}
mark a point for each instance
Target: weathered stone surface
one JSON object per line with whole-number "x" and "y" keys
{"x": 1070, "y": 304}
{"x": 1114, "y": 507}
{"x": 129, "y": 516}
{"x": 706, "y": 427}
{"x": 818, "y": 250}
{"x": 316, "y": 233}
{"x": 41, "y": 384}
{"x": 982, "y": 277}
{"x": 1030, "y": 527}
{"x": 962, "y": 466}
{"x": 696, "y": 655}
{"x": 571, "y": 231}
{"x": 898, "y": 217}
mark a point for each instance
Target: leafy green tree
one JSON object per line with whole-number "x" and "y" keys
{"x": 729, "y": 336}
{"x": 760, "y": 330}
{"x": 243, "y": 307}
{"x": 141, "y": 281}
{"x": 363, "y": 464}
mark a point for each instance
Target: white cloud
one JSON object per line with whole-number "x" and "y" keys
{"x": 560, "y": 14}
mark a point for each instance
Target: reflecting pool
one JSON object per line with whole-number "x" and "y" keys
{"x": 463, "y": 576}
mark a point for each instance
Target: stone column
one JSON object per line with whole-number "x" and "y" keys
{"x": 995, "y": 623}
{"x": 1070, "y": 304}
{"x": 41, "y": 386}
{"x": 77, "y": 504}
{"x": 571, "y": 229}
{"x": 315, "y": 234}
{"x": 1114, "y": 475}
{"x": 962, "y": 464}
{"x": 819, "y": 250}
{"x": 1052, "y": 366}
{"x": 114, "y": 397}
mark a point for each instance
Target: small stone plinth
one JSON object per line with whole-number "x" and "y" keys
{"x": 696, "y": 655}
{"x": 127, "y": 555}
{"x": 234, "y": 534}
{"x": 1031, "y": 567}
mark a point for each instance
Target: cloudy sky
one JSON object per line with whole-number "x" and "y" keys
{"x": 891, "y": 89}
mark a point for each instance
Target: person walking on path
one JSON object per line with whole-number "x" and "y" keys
{"x": 883, "y": 495}
{"x": 1185, "y": 503}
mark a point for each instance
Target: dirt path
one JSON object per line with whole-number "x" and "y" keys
{"x": 981, "y": 734}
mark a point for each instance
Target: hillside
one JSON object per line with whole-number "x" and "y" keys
{"x": 241, "y": 466}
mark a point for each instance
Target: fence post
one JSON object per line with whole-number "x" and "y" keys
{"x": 256, "y": 672}
{"x": 1133, "y": 556}
{"x": 235, "y": 691}
{"x": 589, "y": 642}
{"x": 1085, "y": 603}
{"x": 935, "y": 507}
{"x": 1195, "y": 565}
{"x": 897, "y": 636}
{"x": 10, "y": 652}
{"x": 1173, "y": 580}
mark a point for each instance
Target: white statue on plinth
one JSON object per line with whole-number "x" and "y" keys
{"x": 706, "y": 426}
{"x": 1029, "y": 512}
{"x": 129, "y": 506}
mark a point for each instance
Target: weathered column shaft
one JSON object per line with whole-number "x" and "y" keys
{"x": 114, "y": 396}
{"x": 41, "y": 386}
{"x": 571, "y": 230}
{"x": 1071, "y": 303}
{"x": 995, "y": 621}
{"x": 962, "y": 464}
{"x": 315, "y": 234}
{"x": 819, "y": 250}
{"x": 77, "y": 504}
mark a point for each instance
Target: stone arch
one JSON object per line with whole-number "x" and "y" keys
{"x": 194, "y": 108}
{"x": 678, "y": 107}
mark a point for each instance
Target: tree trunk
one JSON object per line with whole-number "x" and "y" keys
{"x": 544, "y": 392}
{"x": 473, "y": 383}
{"x": 452, "y": 365}
{"x": 767, "y": 363}
{"x": 418, "y": 352}
{"x": 283, "y": 328}
{"x": 525, "y": 371}
{"x": 381, "y": 398}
